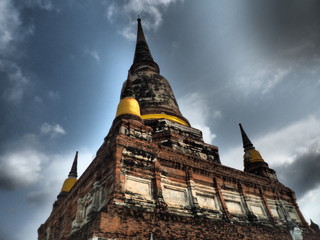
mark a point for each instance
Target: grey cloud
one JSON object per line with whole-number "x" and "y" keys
{"x": 39, "y": 198}
{"x": 302, "y": 174}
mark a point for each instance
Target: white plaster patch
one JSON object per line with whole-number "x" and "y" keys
{"x": 233, "y": 201}
{"x": 234, "y": 207}
{"x": 207, "y": 197}
{"x": 206, "y": 201}
{"x": 257, "y": 210}
{"x": 175, "y": 196}
{"x": 256, "y": 206}
{"x": 139, "y": 186}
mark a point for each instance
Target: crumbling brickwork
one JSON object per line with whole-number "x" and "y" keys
{"x": 138, "y": 185}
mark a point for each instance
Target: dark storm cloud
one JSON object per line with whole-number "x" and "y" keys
{"x": 6, "y": 183}
{"x": 291, "y": 26}
{"x": 302, "y": 174}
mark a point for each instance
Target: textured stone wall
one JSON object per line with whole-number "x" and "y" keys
{"x": 122, "y": 224}
{"x": 139, "y": 184}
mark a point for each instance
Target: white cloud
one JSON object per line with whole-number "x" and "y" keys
{"x": 9, "y": 23}
{"x": 111, "y": 11}
{"x": 52, "y": 130}
{"x": 16, "y": 81}
{"x": 284, "y": 145}
{"x": 280, "y": 146}
{"x": 54, "y": 95}
{"x": 20, "y": 168}
{"x": 93, "y": 53}
{"x": 149, "y": 10}
{"x": 45, "y": 4}
{"x": 194, "y": 108}
{"x": 260, "y": 78}
{"x": 129, "y": 31}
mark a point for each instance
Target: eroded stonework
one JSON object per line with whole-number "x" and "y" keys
{"x": 139, "y": 184}
{"x": 157, "y": 179}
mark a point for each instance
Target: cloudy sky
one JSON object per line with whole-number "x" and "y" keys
{"x": 62, "y": 64}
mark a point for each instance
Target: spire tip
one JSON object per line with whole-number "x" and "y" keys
{"x": 73, "y": 171}
{"x": 245, "y": 140}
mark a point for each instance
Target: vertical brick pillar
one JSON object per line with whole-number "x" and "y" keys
{"x": 266, "y": 205}
{"x": 157, "y": 186}
{"x": 119, "y": 177}
{"x": 244, "y": 200}
{"x": 217, "y": 184}
{"x": 294, "y": 203}
{"x": 192, "y": 192}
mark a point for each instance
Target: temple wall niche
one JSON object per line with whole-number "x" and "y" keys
{"x": 175, "y": 193}
{"x": 256, "y": 206}
{"x": 175, "y": 196}
{"x": 207, "y": 197}
{"x": 234, "y": 202}
{"x": 138, "y": 187}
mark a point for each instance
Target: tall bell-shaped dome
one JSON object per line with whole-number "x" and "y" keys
{"x": 151, "y": 90}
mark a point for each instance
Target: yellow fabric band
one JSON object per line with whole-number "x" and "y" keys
{"x": 165, "y": 116}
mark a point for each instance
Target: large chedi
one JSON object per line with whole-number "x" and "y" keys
{"x": 155, "y": 178}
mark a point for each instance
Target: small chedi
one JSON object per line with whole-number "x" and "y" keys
{"x": 155, "y": 178}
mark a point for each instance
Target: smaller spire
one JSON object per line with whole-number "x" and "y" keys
{"x": 247, "y": 144}
{"x": 251, "y": 155}
{"x": 73, "y": 171}
{"x": 71, "y": 180}
{"x": 252, "y": 160}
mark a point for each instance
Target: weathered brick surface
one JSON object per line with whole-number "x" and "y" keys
{"x": 130, "y": 150}
{"x": 123, "y": 224}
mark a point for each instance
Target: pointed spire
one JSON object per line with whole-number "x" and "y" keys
{"x": 73, "y": 171}
{"x": 71, "y": 180}
{"x": 142, "y": 55}
{"x": 252, "y": 160}
{"x": 245, "y": 140}
{"x": 140, "y": 34}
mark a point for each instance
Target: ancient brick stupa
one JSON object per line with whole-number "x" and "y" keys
{"x": 155, "y": 178}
